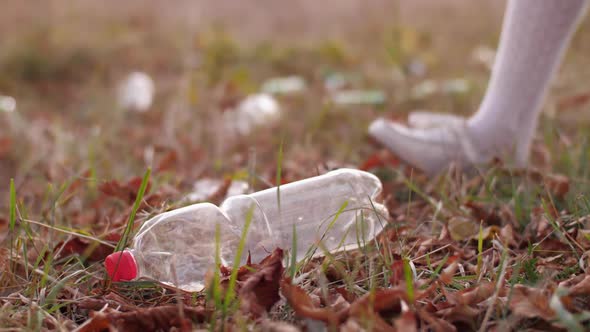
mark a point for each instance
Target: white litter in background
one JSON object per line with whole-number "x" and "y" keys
{"x": 455, "y": 86}
{"x": 336, "y": 81}
{"x": 428, "y": 88}
{"x": 284, "y": 85}
{"x": 203, "y": 189}
{"x": 237, "y": 188}
{"x": 255, "y": 110}
{"x": 7, "y": 104}
{"x": 358, "y": 97}
{"x": 484, "y": 55}
{"x": 424, "y": 89}
{"x": 136, "y": 92}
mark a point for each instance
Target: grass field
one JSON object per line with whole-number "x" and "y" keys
{"x": 504, "y": 249}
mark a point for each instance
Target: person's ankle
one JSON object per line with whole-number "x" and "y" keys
{"x": 499, "y": 140}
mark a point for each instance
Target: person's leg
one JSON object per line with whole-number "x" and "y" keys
{"x": 535, "y": 35}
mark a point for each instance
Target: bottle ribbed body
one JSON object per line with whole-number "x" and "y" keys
{"x": 337, "y": 209}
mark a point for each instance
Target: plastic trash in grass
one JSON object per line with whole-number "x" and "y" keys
{"x": 338, "y": 81}
{"x": 284, "y": 85}
{"x": 335, "y": 211}
{"x": 136, "y": 92}
{"x": 204, "y": 189}
{"x": 484, "y": 55}
{"x": 7, "y": 104}
{"x": 358, "y": 97}
{"x": 255, "y": 110}
{"x": 10, "y": 119}
{"x": 428, "y": 88}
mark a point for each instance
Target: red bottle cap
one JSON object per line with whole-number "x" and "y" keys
{"x": 121, "y": 266}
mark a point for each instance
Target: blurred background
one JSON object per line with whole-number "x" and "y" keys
{"x": 226, "y": 83}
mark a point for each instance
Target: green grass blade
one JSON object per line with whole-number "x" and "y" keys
{"x": 279, "y": 175}
{"x": 408, "y": 275}
{"x": 294, "y": 253}
{"x": 480, "y": 248}
{"x": 125, "y": 238}
{"x": 12, "y": 217}
{"x": 230, "y": 292}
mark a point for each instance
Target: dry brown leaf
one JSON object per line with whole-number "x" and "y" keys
{"x": 149, "y": 319}
{"x": 446, "y": 276}
{"x": 557, "y": 184}
{"x": 220, "y": 194}
{"x": 168, "y": 162}
{"x": 406, "y": 322}
{"x": 397, "y": 273}
{"x": 304, "y": 307}
{"x": 471, "y": 296}
{"x": 260, "y": 290}
{"x": 126, "y": 192}
{"x": 462, "y": 228}
{"x": 573, "y": 101}
{"x": 381, "y": 158}
{"x": 368, "y": 307}
{"x": 435, "y": 324}
{"x": 5, "y": 146}
{"x": 507, "y": 236}
{"x": 459, "y": 313}
{"x": 488, "y": 215}
{"x": 531, "y": 303}
{"x": 3, "y": 229}
{"x": 581, "y": 288}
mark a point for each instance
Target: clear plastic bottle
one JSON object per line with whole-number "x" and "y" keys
{"x": 337, "y": 209}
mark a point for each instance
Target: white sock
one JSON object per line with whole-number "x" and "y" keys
{"x": 535, "y": 35}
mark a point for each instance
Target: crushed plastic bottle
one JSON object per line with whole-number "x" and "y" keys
{"x": 337, "y": 209}
{"x": 136, "y": 92}
{"x": 255, "y": 110}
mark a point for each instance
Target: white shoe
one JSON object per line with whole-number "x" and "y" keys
{"x": 432, "y": 143}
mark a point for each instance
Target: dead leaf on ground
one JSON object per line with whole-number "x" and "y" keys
{"x": 462, "y": 228}
{"x": 471, "y": 296}
{"x": 581, "y": 288}
{"x": 381, "y": 158}
{"x": 126, "y": 192}
{"x": 260, "y": 290}
{"x": 460, "y": 313}
{"x": 435, "y": 324}
{"x": 531, "y": 302}
{"x": 304, "y": 307}
{"x": 406, "y": 322}
{"x": 113, "y": 300}
{"x": 148, "y": 319}
{"x": 5, "y": 146}
{"x": 573, "y": 101}
{"x": 168, "y": 162}
{"x": 3, "y": 229}
{"x": 370, "y": 305}
{"x": 488, "y": 214}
